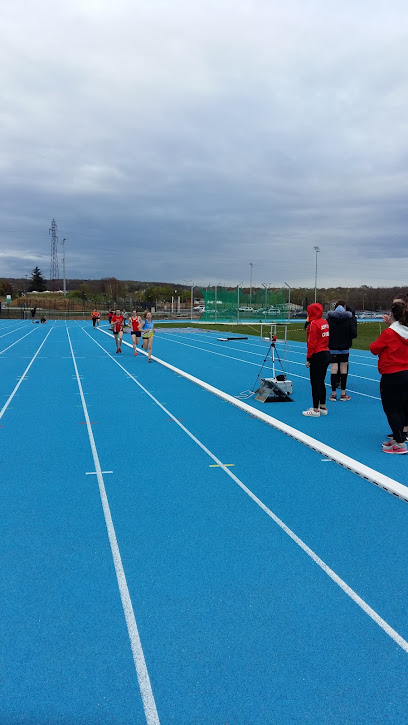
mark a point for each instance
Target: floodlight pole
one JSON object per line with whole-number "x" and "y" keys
{"x": 191, "y": 283}
{"x": 266, "y": 286}
{"x": 63, "y": 267}
{"x": 317, "y": 250}
{"x": 238, "y": 286}
{"x": 288, "y": 286}
{"x": 250, "y": 283}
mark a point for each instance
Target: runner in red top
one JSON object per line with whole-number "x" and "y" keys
{"x": 95, "y": 317}
{"x": 117, "y": 321}
{"x": 135, "y": 324}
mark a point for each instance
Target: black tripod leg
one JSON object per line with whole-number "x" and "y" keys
{"x": 270, "y": 348}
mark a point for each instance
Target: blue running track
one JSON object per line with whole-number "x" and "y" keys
{"x": 170, "y": 558}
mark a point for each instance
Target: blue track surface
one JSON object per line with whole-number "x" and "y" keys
{"x": 238, "y": 624}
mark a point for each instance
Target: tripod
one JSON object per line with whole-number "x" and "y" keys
{"x": 272, "y": 347}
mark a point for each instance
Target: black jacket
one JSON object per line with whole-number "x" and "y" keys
{"x": 342, "y": 328}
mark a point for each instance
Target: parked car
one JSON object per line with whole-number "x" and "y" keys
{"x": 246, "y": 309}
{"x": 302, "y": 315}
{"x": 269, "y": 310}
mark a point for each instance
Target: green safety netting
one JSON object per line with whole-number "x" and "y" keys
{"x": 222, "y": 303}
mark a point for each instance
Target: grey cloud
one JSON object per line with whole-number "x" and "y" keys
{"x": 201, "y": 138}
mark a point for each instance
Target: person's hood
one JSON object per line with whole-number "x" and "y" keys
{"x": 314, "y": 311}
{"x": 401, "y": 330}
{"x": 339, "y": 314}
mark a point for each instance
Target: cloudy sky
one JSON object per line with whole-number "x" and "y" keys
{"x": 176, "y": 139}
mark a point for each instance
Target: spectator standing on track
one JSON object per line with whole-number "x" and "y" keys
{"x": 147, "y": 334}
{"x": 117, "y": 322}
{"x": 343, "y": 330}
{"x": 401, "y": 297}
{"x": 135, "y": 325}
{"x": 33, "y": 311}
{"x": 95, "y": 317}
{"x": 318, "y": 358}
{"x": 392, "y": 350}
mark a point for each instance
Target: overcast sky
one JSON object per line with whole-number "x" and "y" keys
{"x": 183, "y": 139}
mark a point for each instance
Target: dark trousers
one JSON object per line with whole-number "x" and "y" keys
{"x": 318, "y": 367}
{"x": 94, "y": 321}
{"x": 394, "y": 398}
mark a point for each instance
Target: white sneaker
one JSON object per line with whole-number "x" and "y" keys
{"x": 311, "y": 413}
{"x": 323, "y": 411}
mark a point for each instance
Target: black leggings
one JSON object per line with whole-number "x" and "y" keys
{"x": 394, "y": 398}
{"x": 318, "y": 366}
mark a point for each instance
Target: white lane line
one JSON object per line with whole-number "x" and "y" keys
{"x": 266, "y": 367}
{"x": 15, "y": 343}
{"x": 10, "y": 398}
{"x": 11, "y": 332}
{"x": 369, "y": 474}
{"x": 259, "y": 354}
{"x": 280, "y": 345}
{"x": 95, "y": 473}
{"x": 325, "y": 568}
{"x": 146, "y": 692}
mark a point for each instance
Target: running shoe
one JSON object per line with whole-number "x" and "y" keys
{"x": 333, "y": 397}
{"x": 135, "y": 353}
{"x": 398, "y": 448}
{"x": 311, "y": 413}
{"x": 117, "y": 350}
{"x": 345, "y": 397}
{"x": 389, "y": 442}
{"x": 323, "y": 411}
{"x": 148, "y": 359}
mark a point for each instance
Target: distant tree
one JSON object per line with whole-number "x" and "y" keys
{"x": 5, "y": 288}
{"x": 37, "y": 282}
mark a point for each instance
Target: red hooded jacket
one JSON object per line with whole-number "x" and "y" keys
{"x": 317, "y": 331}
{"x": 392, "y": 349}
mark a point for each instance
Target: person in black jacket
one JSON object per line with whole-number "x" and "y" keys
{"x": 343, "y": 330}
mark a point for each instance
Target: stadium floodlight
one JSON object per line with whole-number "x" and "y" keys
{"x": 191, "y": 283}
{"x": 289, "y": 288}
{"x": 317, "y": 250}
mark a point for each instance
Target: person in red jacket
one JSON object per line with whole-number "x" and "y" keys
{"x": 318, "y": 358}
{"x": 117, "y": 321}
{"x": 392, "y": 350}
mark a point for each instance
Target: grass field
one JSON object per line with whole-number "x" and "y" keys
{"x": 367, "y": 331}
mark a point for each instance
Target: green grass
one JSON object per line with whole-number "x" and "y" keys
{"x": 367, "y": 331}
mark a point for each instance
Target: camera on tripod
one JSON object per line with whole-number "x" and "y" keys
{"x": 276, "y": 389}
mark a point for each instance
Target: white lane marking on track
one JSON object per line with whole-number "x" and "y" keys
{"x": 266, "y": 367}
{"x": 11, "y": 396}
{"x": 400, "y": 641}
{"x": 149, "y": 704}
{"x": 11, "y": 332}
{"x": 258, "y": 354}
{"x": 369, "y": 474}
{"x": 281, "y": 347}
{"x": 15, "y": 343}
{"x": 95, "y": 473}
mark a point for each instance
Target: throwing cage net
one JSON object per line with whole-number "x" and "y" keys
{"x": 234, "y": 305}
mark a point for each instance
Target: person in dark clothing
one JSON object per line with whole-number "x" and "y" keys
{"x": 33, "y": 311}
{"x": 343, "y": 330}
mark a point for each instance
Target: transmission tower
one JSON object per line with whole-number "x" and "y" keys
{"x": 54, "y": 272}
